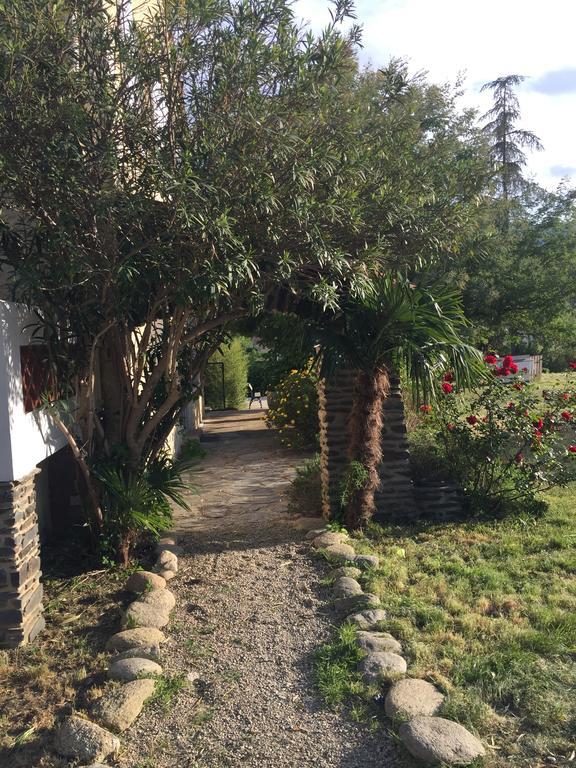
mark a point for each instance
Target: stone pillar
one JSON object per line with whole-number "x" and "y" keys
{"x": 20, "y": 588}
{"x": 336, "y": 396}
{"x": 395, "y": 498}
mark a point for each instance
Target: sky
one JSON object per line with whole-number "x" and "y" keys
{"x": 482, "y": 40}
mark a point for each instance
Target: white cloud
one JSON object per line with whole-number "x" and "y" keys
{"x": 482, "y": 40}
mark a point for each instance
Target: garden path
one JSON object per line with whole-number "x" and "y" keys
{"x": 251, "y": 610}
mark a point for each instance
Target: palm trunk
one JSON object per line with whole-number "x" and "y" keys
{"x": 365, "y": 434}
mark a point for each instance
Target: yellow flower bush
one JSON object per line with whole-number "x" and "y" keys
{"x": 293, "y": 409}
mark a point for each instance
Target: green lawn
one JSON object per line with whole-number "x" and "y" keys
{"x": 487, "y": 610}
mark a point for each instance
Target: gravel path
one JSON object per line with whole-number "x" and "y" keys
{"x": 250, "y": 613}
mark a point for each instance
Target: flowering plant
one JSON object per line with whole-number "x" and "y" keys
{"x": 505, "y": 441}
{"x": 293, "y": 409}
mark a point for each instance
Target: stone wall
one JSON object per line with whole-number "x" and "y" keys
{"x": 20, "y": 588}
{"x": 335, "y": 395}
{"x": 395, "y": 498}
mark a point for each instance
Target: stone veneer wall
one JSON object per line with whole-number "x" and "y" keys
{"x": 395, "y": 498}
{"x": 20, "y": 588}
{"x": 335, "y": 395}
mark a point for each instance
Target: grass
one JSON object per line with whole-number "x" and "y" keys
{"x": 166, "y": 689}
{"x": 487, "y": 611}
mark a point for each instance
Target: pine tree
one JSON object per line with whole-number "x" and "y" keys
{"x": 508, "y": 141}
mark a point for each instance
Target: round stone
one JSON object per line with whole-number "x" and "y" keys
{"x": 133, "y": 669}
{"x": 341, "y": 552}
{"x": 167, "y": 575}
{"x": 437, "y": 740}
{"x": 161, "y": 599}
{"x": 412, "y": 698}
{"x": 131, "y": 638}
{"x": 311, "y": 535}
{"x": 83, "y": 740}
{"x": 140, "y": 652}
{"x": 167, "y": 561}
{"x": 379, "y": 665}
{"x": 141, "y": 614}
{"x": 329, "y": 539}
{"x": 142, "y": 581}
{"x": 345, "y": 605}
{"x": 377, "y": 641}
{"x": 346, "y": 587}
{"x": 366, "y": 561}
{"x": 368, "y": 619}
{"x": 345, "y": 570}
{"x": 119, "y": 707}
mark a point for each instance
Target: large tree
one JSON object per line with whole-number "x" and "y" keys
{"x": 160, "y": 179}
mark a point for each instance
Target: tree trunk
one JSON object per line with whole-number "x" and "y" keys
{"x": 365, "y": 447}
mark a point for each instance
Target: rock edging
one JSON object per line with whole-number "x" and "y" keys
{"x": 134, "y": 664}
{"x": 413, "y": 702}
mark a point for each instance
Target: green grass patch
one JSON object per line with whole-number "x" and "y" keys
{"x": 335, "y": 668}
{"x": 487, "y": 610}
{"x": 166, "y": 690}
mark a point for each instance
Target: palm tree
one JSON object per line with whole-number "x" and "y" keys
{"x": 395, "y": 326}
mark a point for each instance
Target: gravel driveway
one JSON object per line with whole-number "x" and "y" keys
{"x": 250, "y": 613}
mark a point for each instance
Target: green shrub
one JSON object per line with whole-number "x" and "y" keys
{"x": 293, "y": 409}
{"x": 305, "y": 496}
{"x": 234, "y": 358}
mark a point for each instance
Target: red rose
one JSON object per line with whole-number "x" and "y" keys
{"x": 538, "y": 423}
{"x": 565, "y": 396}
{"x": 507, "y": 361}
{"x": 448, "y": 376}
{"x": 572, "y": 448}
{"x": 572, "y": 365}
{"x": 566, "y": 415}
{"x": 519, "y": 458}
{"x": 491, "y": 359}
{"x": 447, "y": 388}
{"x": 538, "y": 435}
{"x": 511, "y": 406}
{"x": 472, "y": 419}
{"x": 450, "y": 426}
{"x": 426, "y": 408}
{"x": 524, "y": 370}
{"x": 513, "y": 368}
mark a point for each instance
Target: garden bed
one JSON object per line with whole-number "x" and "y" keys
{"x": 487, "y": 611}
{"x": 42, "y": 681}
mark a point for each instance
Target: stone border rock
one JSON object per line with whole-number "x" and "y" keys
{"x": 411, "y": 703}
{"x": 134, "y": 664}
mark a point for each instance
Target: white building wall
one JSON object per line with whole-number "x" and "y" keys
{"x": 25, "y": 438}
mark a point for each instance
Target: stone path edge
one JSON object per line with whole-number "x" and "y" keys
{"x": 134, "y": 666}
{"x": 411, "y": 704}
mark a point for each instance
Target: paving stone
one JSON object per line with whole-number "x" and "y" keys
{"x": 368, "y": 619}
{"x": 133, "y": 669}
{"x": 142, "y": 581}
{"x": 437, "y": 740}
{"x": 119, "y": 707}
{"x": 83, "y": 740}
{"x": 162, "y": 599}
{"x": 346, "y": 587}
{"x": 329, "y": 539}
{"x": 131, "y": 638}
{"x": 366, "y": 561}
{"x": 139, "y": 614}
{"x": 377, "y": 641}
{"x": 379, "y": 665}
{"x": 410, "y": 698}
